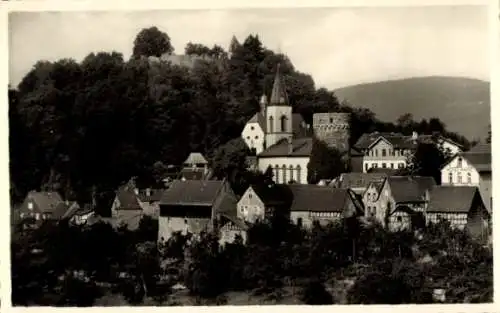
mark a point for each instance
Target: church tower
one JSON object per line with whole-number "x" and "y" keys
{"x": 278, "y": 113}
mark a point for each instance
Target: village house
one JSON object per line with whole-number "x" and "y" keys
{"x": 358, "y": 182}
{"x": 391, "y": 150}
{"x": 191, "y": 206}
{"x": 264, "y": 201}
{"x": 462, "y": 206}
{"x": 471, "y": 168}
{"x": 401, "y": 201}
{"x": 44, "y": 205}
{"x": 323, "y": 204}
{"x": 371, "y": 196}
{"x": 126, "y": 209}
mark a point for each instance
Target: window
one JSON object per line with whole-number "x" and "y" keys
{"x": 299, "y": 178}
{"x": 384, "y": 152}
{"x": 459, "y": 178}
{"x": 366, "y": 167}
{"x": 291, "y": 172}
{"x": 248, "y": 137}
{"x": 392, "y": 165}
{"x": 450, "y": 178}
{"x": 185, "y": 221}
{"x": 271, "y": 124}
{"x": 376, "y": 152}
{"x": 256, "y": 137}
{"x": 384, "y": 165}
{"x": 399, "y": 219}
{"x": 249, "y": 196}
{"x": 331, "y": 120}
{"x": 375, "y": 165}
{"x": 401, "y": 165}
{"x": 284, "y": 174}
{"x": 459, "y": 162}
{"x": 469, "y": 178}
{"x": 299, "y": 222}
{"x": 276, "y": 173}
{"x": 252, "y": 128}
{"x": 283, "y": 123}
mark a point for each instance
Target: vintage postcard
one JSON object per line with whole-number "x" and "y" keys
{"x": 252, "y": 156}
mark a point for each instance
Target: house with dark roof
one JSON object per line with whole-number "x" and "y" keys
{"x": 323, "y": 204}
{"x": 264, "y": 201}
{"x": 44, "y": 205}
{"x": 391, "y": 150}
{"x": 191, "y": 206}
{"x": 401, "y": 201}
{"x": 371, "y": 196}
{"x": 149, "y": 200}
{"x": 462, "y": 206}
{"x": 126, "y": 209}
{"x": 288, "y": 160}
{"x": 471, "y": 168}
{"x": 358, "y": 182}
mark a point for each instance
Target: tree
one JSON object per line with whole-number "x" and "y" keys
{"x": 427, "y": 161}
{"x": 325, "y": 163}
{"x": 151, "y": 42}
{"x": 196, "y": 49}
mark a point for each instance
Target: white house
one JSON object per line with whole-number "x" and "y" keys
{"x": 255, "y": 129}
{"x": 471, "y": 168}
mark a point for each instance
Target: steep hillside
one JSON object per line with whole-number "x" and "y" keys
{"x": 463, "y": 104}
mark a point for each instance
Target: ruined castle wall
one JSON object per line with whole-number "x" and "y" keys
{"x": 334, "y": 129}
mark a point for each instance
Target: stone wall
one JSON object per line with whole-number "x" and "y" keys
{"x": 334, "y": 129}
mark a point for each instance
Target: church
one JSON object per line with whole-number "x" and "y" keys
{"x": 282, "y": 140}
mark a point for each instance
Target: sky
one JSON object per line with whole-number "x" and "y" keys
{"x": 337, "y": 46}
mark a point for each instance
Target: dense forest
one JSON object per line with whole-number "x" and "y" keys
{"x": 83, "y": 128}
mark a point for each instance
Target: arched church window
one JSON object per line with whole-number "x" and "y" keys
{"x": 299, "y": 178}
{"x": 283, "y": 123}
{"x": 284, "y": 174}
{"x": 291, "y": 172}
{"x": 271, "y": 124}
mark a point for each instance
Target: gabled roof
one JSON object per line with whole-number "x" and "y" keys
{"x": 47, "y": 201}
{"x": 228, "y": 205}
{"x": 381, "y": 170}
{"x": 195, "y": 158}
{"x": 451, "y": 199}
{"x": 377, "y": 185}
{"x": 480, "y": 160}
{"x": 192, "y": 192}
{"x": 127, "y": 198}
{"x": 273, "y": 194}
{"x": 302, "y": 147}
{"x": 360, "y": 180}
{"x": 409, "y": 188}
{"x": 260, "y": 119}
{"x": 278, "y": 94}
{"x": 315, "y": 198}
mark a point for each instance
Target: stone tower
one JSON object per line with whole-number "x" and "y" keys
{"x": 334, "y": 129}
{"x": 278, "y": 113}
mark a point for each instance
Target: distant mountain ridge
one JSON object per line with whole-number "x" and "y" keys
{"x": 463, "y": 104}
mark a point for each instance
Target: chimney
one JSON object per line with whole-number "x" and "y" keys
{"x": 263, "y": 102}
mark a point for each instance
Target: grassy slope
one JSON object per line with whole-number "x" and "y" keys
{"x": 462, "y": 104}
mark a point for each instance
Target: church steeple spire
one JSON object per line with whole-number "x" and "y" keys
{"x": 278, "y": 94}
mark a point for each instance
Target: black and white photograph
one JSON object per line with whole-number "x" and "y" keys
{"x": 250, "y": 156}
